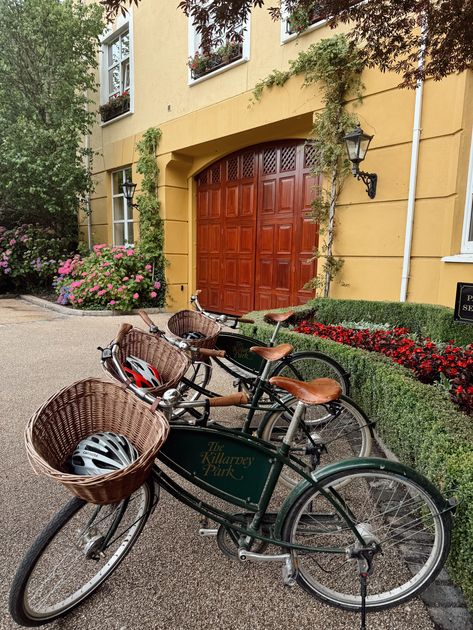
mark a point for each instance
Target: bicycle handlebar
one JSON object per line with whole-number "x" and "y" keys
{"x": 220, "y": 319}
{"x": 123, "y": 331}
{"x": 227, "y": 401}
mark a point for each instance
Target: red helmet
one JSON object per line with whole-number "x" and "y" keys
{"x": 143, "y": 374}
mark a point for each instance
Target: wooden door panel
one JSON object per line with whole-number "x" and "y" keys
{"x": 247, "y": 200}
{"x": 215, "y": 203}
{"x": 203, "y": 205}
{"x": 231, "y": 276}
{"x": 214, "y": 277}
{"x": 265, "y": 280}
{"x": 284, "y": 239}
{"x": 247, "y": 239}
{"x": 265, "y": 240}
{"x": 269, "y": 198}
{"x": 286, "y": 195}
{"x": 203, "y": 238}
{"x": 214, "y": 240}
{"x": 202, "y": 271}
{"x": 231, "y": 209}
{"x": 283, "y": 274}
{"x": 245, "y": 272}
{"x": 231, "y": 241}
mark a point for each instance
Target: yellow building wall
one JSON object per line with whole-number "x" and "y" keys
{"x": 201, "y": 123}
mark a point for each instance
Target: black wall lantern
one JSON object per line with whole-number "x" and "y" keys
{"x": 357, "y": 143}
{"x": 128, "y": 189}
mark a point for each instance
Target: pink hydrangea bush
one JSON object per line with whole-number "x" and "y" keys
{"x": 117, "y": 278}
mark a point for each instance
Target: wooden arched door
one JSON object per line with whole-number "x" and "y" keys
{"x": 254, "y": 240}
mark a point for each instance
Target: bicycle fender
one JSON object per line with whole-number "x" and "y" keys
{"x": 360, "y": 464}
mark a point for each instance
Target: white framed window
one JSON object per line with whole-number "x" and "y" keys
{"x": 116, "y": 71}
{"x": 290, "y": 31}
{"x": 466, "y": 249}
{"x": 122, "y": 213}
{"x": 220, "y": 59}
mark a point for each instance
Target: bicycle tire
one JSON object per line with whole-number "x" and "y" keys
{"x": 47, "y": 566}
{"x": 397, "y": 513}
{"x": 307, "y": 366}
{"x": 341, "y": 427}
{"x": 198, "y": 373}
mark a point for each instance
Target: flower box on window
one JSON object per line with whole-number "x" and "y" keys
{"x": 117, "y": 105}
{"x": 201, "y": 65}
{"x": 300, "y": 19}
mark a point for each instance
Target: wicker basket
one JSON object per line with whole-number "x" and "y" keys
{"x": 170, "y": 362}
{"x": 186, "y": 320}
{"x": 84, "y": 408}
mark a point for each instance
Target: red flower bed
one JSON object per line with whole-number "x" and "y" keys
{"x": 426, "y": 361}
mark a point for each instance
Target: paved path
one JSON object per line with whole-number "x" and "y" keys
{"x": 173, "y": 579}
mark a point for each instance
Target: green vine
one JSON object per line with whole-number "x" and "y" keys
{"x": 334, "y": 65}
{"x": 151, "y": 243}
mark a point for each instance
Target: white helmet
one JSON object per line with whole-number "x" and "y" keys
{"x": 101, "y": 453}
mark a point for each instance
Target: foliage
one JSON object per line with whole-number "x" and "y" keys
{"x": 388, "y": 31}
{"x": 151, "y": 244}
{"x": 115, "y": 102}
{"x": 29, "y": 256}
{"x": 427, "y": 362}
{"x": 117, "y": 278}
{"x": 47, "y": 62}
{"x": 334, "y": 65}
{"x": 414, "y": 420}
{"x": 302, "y": 17}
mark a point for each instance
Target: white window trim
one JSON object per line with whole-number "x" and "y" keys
{"x": 290, "y": 37}
{"x": 466, "y": 255}
{"x": 126, "y": 220}
{"x": 124, "y": 23}
{"x": 193, "y": 45}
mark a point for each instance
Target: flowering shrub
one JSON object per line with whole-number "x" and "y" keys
{"x": 115, "y": 278}
{"x": 422, "y": 356}
{"x": 29, "y": 256}
{"x": 301, "y": 18}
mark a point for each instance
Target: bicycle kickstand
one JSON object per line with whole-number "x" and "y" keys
{"x": 364, "y": 558}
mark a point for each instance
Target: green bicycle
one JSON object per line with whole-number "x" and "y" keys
{"x": 360, "y": 534}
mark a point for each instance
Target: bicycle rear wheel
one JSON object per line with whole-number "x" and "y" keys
{"x": 401, "y": 517}
{"x": 307, "y": 366}
{"x": 64, "y": 567}
{"x": 340, "y": 429}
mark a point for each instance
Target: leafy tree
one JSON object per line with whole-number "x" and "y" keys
{"x": 47, "y": 62}
{"x": 386, "y": 30}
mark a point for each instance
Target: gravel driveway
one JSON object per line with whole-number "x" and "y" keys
{"x": 173, "y": 579}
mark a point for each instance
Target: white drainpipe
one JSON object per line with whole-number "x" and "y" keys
{"x": 413, "y": 176}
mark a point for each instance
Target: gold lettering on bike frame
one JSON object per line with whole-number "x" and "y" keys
{"x": 239, "y": 351}
{"x": 216, "y": 464}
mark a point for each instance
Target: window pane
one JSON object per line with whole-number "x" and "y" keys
{"x": 118, "y": 209}
{"x": 119, "y": 233}
{"x": 116, "y": 181}
{"x": 125, "y": 45}
{"x": 128, "y": 174}
{"x": 470, "y": 235}
{"x": 114, "y": 52}
{"x": 130, "y": 238}
{"x": 126, "y": 76}
{"x": 114, "y": 80}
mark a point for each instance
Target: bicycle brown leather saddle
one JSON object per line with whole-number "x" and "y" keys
{"x": 318, "y": 392}
{"x": 273, "y": 354}
{"x": 279, "y": 317}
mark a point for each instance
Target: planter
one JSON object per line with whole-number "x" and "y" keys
{"x": 216, "y": 62}
{"x": 118, "y": 110}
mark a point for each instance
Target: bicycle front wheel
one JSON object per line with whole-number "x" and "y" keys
{"x": 65, "y": 565}
{"x": 395, "y": 513}
{"x": 307, "y": 366}
{"x": 339, "y": 430}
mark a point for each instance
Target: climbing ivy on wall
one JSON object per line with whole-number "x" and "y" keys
{"x": 335, "y": 67}
{"x": 151, "y": 243}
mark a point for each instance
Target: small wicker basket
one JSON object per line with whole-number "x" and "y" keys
{"x": 186, "y": 320}
{"x": 170, "y": 362}
{"x": 82, "y": 409}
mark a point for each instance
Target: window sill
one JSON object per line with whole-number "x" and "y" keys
{"x": 110, "y": 122}
{"x": 459, "y": 258}
{"x": 238, "y": 62}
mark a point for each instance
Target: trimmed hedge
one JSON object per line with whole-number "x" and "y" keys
{"x": 428, "y": 320}
{"x": 416, "y": 421}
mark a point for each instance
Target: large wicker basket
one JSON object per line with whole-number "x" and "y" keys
{"x": 170, "y": 362}
{"x": 186, "y": 321}
{"x": 82, "y": 409}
